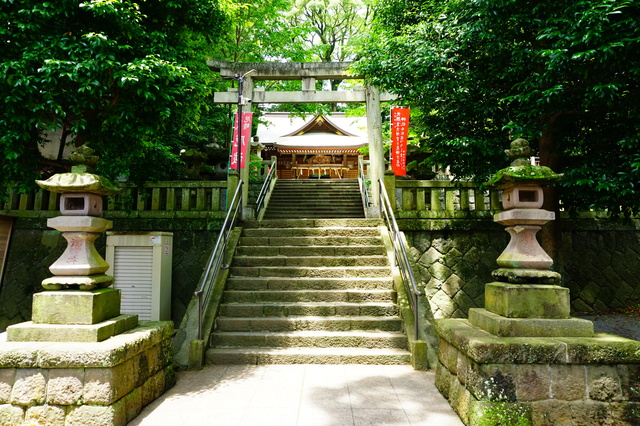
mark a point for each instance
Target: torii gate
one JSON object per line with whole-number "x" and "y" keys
{"x": 309, "y": 73}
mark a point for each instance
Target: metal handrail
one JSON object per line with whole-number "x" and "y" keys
{"x": 400, "y": 254}
{"x": 216, "y": 260}
{"x": 266, "y": 187}
{"x": 363, "y": 184}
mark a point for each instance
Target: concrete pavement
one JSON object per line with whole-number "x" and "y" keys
{"x": 301, "y": 395}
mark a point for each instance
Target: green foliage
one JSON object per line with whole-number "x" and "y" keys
{"x": 562, "y": 74}
{"x": 128, "y": 77}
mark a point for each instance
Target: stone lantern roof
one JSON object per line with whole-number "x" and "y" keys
{"x": 521, "y": 171}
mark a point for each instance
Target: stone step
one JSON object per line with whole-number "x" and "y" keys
{"x": 310, "y": 223}
{"x": 313, "y": 197}
{"x": 311, "y": 339}
{"x": 308, "y": 323}
{"x": 323, "y": 205}
{"x": 285, "y": 309}
{"x": 310, "y": 241}
{"x": 316, "y": 272}
{"x": 284, "y": 296}
{"x": 306, "y": 284}
{"x": 312, "y": 232}
{"x": 223, "y": 356}
{"x": 316, "y": 215}
{"x": 311, "y": 251}
{"x": 309, "y": 261}
{"x": 317, "y": 182}
{"x": 313, "y": 211}
{"x": 304, "y": 195}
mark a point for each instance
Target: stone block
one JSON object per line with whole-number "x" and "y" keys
{"x": 443, "y": 379}
{"x": 499, "y": 413}
{"x": 50, "y": 415}
{"x": 7, "y": 378}
{"x": 588, "y": 413}
{"x": 30, "y": 332}
{"x": 530, "y": 327}
{"x": 483, "y": 347}
{"x": 532, "y": 382}
{"x": 105, "y": 385}
{"x": 79, "y": 224}
{"x": 448, "y": 356}
{"x": 492, "y": 382}
{"x": 551, "y": 412}
{"x": 90, "y": 415}
{"x": 11, "y": 415}
{"x": 463, "y": 366}
{"x": 630, "y": 381}
{"x": 29, "y": 387}
{"x": 601, "y": 349}
{"x": 75, "y": 307}
{"x": 65, "y": 386}
{"x": 527, "y": 300}
{"x": 133, "y": 404}
{"x": 568, "y": 382}
{"x": 603, "y": 383}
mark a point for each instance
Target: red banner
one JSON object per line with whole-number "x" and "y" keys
{"x": 399, "y": 136}
{"x": 245, "y": 135}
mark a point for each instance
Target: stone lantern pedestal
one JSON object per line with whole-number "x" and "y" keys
{"x": 79, "y": 361}
{"x": 523, "y": 359}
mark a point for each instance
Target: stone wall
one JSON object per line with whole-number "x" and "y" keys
{"x": 455, "y": 264}
{"x": 537, "y": 381}
{"x": 599, "y": 261}
{"x": 105, "y": 383}
{"x": 34, "y": 248}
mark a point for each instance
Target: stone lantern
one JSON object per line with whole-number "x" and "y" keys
{"x": 522, "y": 359}
{"x": 523, "y": 260}
{"x": 79, "y": 361}
{"x": 79, "y": 305}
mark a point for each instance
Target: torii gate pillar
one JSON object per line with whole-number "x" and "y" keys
{"x": 376, "y": 150}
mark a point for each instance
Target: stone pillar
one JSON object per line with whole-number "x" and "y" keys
{"x": 390, "y": 187}
{"x": 233, "y": 181}
{"x": 376, "y": 150}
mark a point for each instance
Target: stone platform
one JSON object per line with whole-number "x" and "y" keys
{"x": 98, "y": 383}
{"x": 492, "y": 380}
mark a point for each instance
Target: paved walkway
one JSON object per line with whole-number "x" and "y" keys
{"x": 301, "y": 395}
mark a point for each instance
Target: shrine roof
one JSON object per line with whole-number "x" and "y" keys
{"x": 336, "y": 130}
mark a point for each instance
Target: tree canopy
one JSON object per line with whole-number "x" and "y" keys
{"x": 127, "y": 77}
{"x": 564, "y": 74}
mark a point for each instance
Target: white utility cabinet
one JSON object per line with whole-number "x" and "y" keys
{"x": 141, "y": 266}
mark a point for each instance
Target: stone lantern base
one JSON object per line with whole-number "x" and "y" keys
{"x": 522, "y": 360}
{"x": 105, "y": 383}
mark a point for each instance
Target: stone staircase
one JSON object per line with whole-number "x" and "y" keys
{"x": 315, "y": 198}
{"x": 309, "y": 291}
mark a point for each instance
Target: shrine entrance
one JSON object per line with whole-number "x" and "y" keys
{"x": 336, "y": 164}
